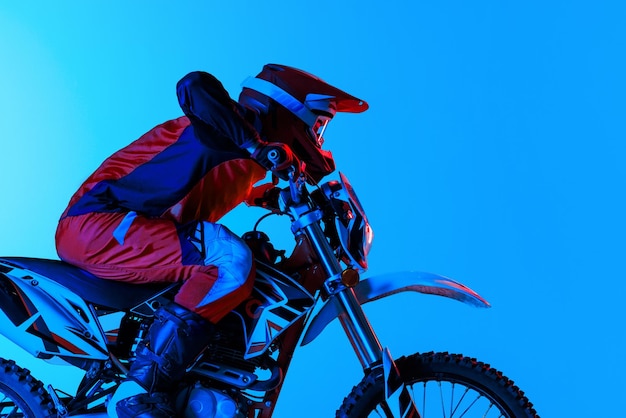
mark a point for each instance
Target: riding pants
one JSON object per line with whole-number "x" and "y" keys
{"x": 214, "y": 265}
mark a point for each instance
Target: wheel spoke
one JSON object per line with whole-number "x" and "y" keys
{"x": 470, "y": 405}
{"x": 13, "y": 411}
{"x": 487, "y": 411}
{"x": 465, "y": 387}
{"x": 424, "y": 402}
{"x": 452, "y": 401}
{"x": 443, "y": 409}
{"x": 460, "y": 400}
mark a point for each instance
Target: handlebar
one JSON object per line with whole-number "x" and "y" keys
{"x": 268, "y": 195}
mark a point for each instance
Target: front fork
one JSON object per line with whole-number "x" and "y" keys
{"x": 358, "y": 329}
{"x": 352, "y": 318}
{"x": 356, "y": 325}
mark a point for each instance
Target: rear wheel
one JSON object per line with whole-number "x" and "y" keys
{"x": 21, "y": 395}
{"x": 442, "y": 385}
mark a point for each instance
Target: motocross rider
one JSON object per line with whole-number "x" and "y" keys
{"x": 149, "y": 213}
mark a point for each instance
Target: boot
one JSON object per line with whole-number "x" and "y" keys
{"x": 174, "y": 340}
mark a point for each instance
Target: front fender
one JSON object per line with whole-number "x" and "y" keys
{"x": 378, "y": 287}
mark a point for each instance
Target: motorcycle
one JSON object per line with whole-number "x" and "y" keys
{"x": 58, "y": 312}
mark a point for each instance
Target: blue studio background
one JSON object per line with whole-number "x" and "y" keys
{"x": 492, "y": 153}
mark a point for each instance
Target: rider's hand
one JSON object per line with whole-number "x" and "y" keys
{"x": 264, "y": 196}
{"x": 277, "y": 157}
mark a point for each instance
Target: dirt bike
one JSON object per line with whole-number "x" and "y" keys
{"x": 59, "y": 312}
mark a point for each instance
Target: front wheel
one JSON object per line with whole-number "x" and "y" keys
{"x": 442, "y": 385}
{"x": 21, "y": 395}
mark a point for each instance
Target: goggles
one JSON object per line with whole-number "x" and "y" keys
{"x": 308, "y": 112}
{"x": 318, "y": 129}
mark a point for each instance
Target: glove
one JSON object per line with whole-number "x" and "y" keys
{"x": 264, "y": 196}
{"x": 277, "y": 157}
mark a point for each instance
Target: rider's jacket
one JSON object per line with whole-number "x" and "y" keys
{"x": 186, "y": 169}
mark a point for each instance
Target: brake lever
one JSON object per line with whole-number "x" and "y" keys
{"x": 295, "y": 186}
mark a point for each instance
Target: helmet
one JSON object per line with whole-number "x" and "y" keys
{"x": 295, "y": 108}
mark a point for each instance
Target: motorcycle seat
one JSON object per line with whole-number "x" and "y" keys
{"x": 101, "y": 292}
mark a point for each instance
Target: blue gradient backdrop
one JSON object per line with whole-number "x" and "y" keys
{"x": 493, "y": 153}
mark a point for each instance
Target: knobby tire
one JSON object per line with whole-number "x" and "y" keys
{"x": 21, "y": 395}
{"x": 435, "y": 374}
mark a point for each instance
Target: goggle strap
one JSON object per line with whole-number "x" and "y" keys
{"x": 282, "y": 97}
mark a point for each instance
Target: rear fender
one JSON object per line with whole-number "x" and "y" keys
{"x": 378, "y": 287}
{"x": 46, "y": 319}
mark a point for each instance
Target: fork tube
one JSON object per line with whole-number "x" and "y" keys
{"x": 327, "y": 257}
{"x": 352, "y": 318}
{"x": 358, "y": 329}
